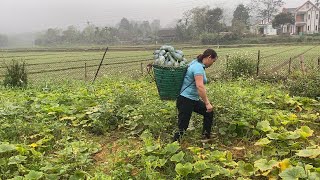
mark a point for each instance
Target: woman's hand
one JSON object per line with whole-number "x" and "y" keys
{"x": 209, "y": 107}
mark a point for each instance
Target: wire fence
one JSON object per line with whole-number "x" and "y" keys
{"x": 43, "y": 66}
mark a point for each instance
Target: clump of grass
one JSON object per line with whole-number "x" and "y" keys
{"x": 16, "y": 75}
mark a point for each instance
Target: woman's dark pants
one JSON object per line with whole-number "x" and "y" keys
{"x": 185, "y": 108}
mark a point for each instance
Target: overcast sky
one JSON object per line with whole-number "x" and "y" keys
{"x": 18, "y": 16}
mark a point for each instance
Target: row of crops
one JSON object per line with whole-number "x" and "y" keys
{"x": 83, "y": 64}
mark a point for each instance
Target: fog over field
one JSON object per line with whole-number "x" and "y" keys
{"x": 18, "y": 16}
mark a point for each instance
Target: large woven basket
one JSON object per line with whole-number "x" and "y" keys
{"x": 169, "y": 81}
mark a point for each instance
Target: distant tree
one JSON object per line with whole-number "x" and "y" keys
{"x": 112, "y": 34}
{"x": 241, "y": 15}
{"x": 240, "y": 20}
{"x": 281, "y": 19}
{"x": 71, "y": 35}
{"x": 266, "y": 9}
{"x": 197, "y": 18}
{"x": 125, "y": 30}
{"x": 146, "y": 28}
{"x": 4, "y": 40}
{"x": 155, "y": 26}
{"x": 52, "y": 36}
{"x": 125, "y": 24}
{"x": 88, "y": 34}
{"x": 185, "y": 29}
{"x": 213, "y": 20}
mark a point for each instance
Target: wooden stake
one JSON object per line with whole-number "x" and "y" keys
{"x": 141, "y": 67}
{"x": 85, "y": 71}
{"x": 303, "y": 68}
{"x": 258, "y": 63}
{"x": 290, "y": 62}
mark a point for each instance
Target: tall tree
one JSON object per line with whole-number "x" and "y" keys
{"x": 146, "y": 28}
{"x": 155, "y": 27}
{"x": 88, "y": 33}
{"x": 125, "y": 30}
{"x": 197, "y": 18}
{"x": 241, "y": 15}
{"x": 213, "y": 20}
{"x": 266, "y": 9}
{"x": 240, "y": 20}
{"x": 281, "y": 19}
{"x": 184, "y": 30}
{"x": 71, "y": 35}
{"x": 53, "y": 36}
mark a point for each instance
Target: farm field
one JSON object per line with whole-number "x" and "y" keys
{"x": 83, "y": 64}
{"x": 118, "y": 128}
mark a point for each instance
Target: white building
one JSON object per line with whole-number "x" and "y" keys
{"x": 306, "y": 19}
{"x": 264, "y": 27}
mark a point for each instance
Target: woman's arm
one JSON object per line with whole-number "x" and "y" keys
{"x": 202, "y": 92}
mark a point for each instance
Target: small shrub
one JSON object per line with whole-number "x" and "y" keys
{"x": 308, "y": 86}
{"x": 16, "y": 75}
{"x": 241, "y": 65}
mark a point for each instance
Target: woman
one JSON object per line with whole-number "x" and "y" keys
{"x": 192, "y": 90}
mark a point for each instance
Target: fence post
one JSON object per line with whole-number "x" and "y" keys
{"x": 290, "y": 61}
{"x": 318, "y": 63}
{"x": 258, "y": 63}
{"x": 141, "y": 68}
{"x": 85, "y": 71}
{"x": 227, "y": 62}
{"x": 303, "y": 68}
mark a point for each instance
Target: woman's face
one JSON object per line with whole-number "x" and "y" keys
{"x": 209, "y": 61}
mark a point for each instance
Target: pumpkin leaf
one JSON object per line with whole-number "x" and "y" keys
{"x": 310, "y": 153}
{"x": 200, "y": 166}
{"x": 7, "y": 148}
{"x": 305, "y": 131}
{"x": 17, "y": 159}
{"x": 177, "y": 157}
{"x": 264, "y": 126}
{"x": 265, "y": 165}
{"x": 34, "y": 175}
{"x": 245, "y": 169}
{"x": 172, "y": 147}
{"x": 183, "y": 169}
{"x": 293, "y": 173}
{"x": 262, "y": 142}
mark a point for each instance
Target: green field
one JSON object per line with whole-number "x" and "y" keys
{"x": 118, "y": 128}
{"x": 63, "y": 64}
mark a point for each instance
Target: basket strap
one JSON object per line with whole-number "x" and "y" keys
{"x": 186, "y": 87}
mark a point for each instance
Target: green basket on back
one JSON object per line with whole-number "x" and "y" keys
{"x": 169, "y": 81}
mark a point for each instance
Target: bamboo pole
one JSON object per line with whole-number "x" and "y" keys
{"x": 258, "y": 63}
{"x": 290, "y": 62}
{"x": 303, "y": 67}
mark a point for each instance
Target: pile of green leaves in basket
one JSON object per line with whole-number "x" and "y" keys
{"x": 167, "y": 56}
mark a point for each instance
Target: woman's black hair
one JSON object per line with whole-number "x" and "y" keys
{"x": 206, "y": 53}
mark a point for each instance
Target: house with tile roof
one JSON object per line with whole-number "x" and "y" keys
{"x": 306, "y": 19}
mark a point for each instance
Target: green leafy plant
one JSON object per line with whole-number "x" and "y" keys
{"x": 308, "y": 86}
{"x": 241, "y": 65}
{"x": 16, "y": 75}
